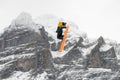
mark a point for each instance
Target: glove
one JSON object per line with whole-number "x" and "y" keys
{"x": 64, "y": 23}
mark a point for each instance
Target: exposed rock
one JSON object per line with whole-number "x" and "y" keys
{"x": 22, "y": 36}
{"x": 44, "y": 59}
{"x": 55, "y": 46}
{"x": 105, "y": 59}
{"x": 101, "y": 40}
{"x": 30, "y": 57}
{"x": 68, "y": 45}
{"x": 94, "y": 59}
{"x": 79, "y": 43}
{"x": 110, "y": 59}
{"x": 73, "y": 55}
{"x": 29, "y": 48}
{"x": 7, "y": 70}
{"x": 26, "y": 64}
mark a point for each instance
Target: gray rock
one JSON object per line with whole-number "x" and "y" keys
{"x": 106, "y": 59}
{"x": 44, "y": 59}
{"x": 79, "y": 43}
{"x": 7, "y": 70}
{"x": 101, "y": 40}
{"x": 25, "y": 64}
{"x": 73, "y": 55}
{"x": 22, "y": 36}
{"x": 54, "y": 47}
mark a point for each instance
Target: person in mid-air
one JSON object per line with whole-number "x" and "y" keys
{"x": 61, "y": 26}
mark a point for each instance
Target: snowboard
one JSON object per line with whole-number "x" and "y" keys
{"x": 64, "y": 39}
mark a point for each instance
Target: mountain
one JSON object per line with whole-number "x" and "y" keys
{"x": 29, "y": 51}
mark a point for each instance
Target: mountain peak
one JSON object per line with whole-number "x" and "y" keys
{"x": 101, "y": 40}
{"x": 23, "y": 19}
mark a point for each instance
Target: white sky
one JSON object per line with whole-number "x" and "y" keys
{"x": 95, "y": 17}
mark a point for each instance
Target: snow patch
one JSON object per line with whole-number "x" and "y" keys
{"x": 12, "y": 57}
{"x": 86, "y": 51}
{"x": 118, "y": 56}
{"x": 41, "y": 76}
{"x": 18, "y": 75}
{"x": 99, "y": 70}
{"x": 5, "y": 65}
{"x": 60, "y": 54}
{"x": 105, "y": 47}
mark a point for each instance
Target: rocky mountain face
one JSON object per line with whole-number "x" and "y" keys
{"x": 29, "y": 51}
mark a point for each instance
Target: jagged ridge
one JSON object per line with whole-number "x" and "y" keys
{"x": 30, "y": 48}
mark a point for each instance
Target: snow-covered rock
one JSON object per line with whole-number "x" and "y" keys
{"x": 24, "y": 20}
{"x": 29, "y": 51}
{"x": 105, "y": 47}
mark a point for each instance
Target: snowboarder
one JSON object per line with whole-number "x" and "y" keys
{"x": 61, "y": 26}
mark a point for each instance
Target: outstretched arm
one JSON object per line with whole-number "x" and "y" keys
{"x": 64, "y": 27}
{"x": 64, "y": 24}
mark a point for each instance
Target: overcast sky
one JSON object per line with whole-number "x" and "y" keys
{"x": 95, "y": 17}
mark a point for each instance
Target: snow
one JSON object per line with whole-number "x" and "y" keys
{"x": 7, "y": 58}
{"x": 60, "y": 54}
{"x": 12, "y": 57}
{"x": 18, "y": 75}
{"x": 105, "y": 47}
{"x": 5, "y": 65}
{"x": 87, "y": 41}
{"x": 98, "y": 70}
{"x": 2, "y": 66}
{"x": 50, "y": 24}
{"x": 24, "y": 55}
{"x": 60, "y": 66}
{"x": 118, "y": 63}
{"x": 115, "y": 75}
{"x": 72, "y": 74}
{"x": 41, "y": 76}
{"x": 86, "y": 51}
{"x": 118, "y": 56}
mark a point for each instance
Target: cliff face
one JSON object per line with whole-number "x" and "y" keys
{"x": 29, "y": 51}
{"x": 103, "y": 58}
{"x": 24, "y": 49}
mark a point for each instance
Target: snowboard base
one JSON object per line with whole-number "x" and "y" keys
{"x": 64, "y": 39}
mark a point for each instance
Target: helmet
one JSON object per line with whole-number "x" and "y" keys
{"x": 60, "y": 24}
